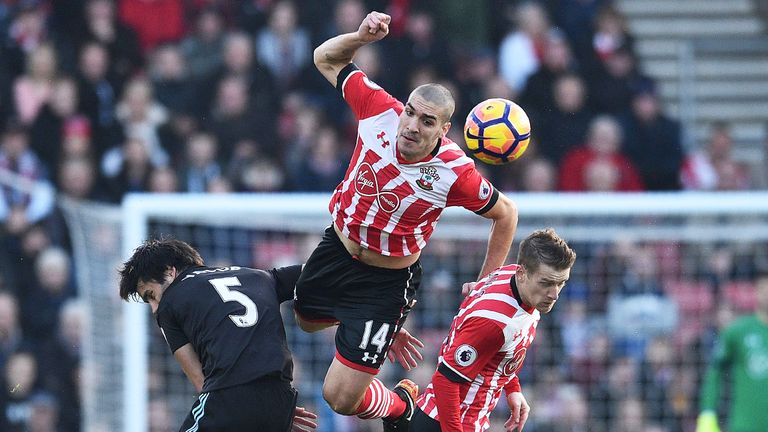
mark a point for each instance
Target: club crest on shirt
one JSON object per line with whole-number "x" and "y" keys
{"x": 485, "y": 190}
{"x": 428, "y": 176}
{"x": 515, "y": 362}
{"x": 465, "y": 355}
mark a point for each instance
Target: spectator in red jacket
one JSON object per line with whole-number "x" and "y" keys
{"x": 602, "y": 148}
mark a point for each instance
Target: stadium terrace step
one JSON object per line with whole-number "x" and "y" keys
{"x": 685, "y": 7}
{"x": 692, "y": 27}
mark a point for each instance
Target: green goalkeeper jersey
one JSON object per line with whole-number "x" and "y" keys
{"x": 741, "y": 355}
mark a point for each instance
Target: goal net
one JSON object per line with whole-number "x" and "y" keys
{"x": 656, "y": 274}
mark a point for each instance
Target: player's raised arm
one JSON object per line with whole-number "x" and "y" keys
{"x": 504, "y": 216}
{"x": 335, "y": 53}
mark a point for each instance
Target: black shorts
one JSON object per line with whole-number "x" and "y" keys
{"x": 266, "y": 404}
{"x": 420, "y": 422}
{"x": 370, "y": 304}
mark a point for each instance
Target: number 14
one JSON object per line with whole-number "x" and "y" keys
{"x": 379, "y": 339}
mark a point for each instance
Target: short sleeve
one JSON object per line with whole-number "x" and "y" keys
{"x": 364, "y": 96}
{"x": 476, "y": 343}
{"x": 285, "y": 281}
{"x": 473, "y": 192}
{"x": 172, "y": 332}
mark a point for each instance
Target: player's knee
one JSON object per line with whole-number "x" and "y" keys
{"x": 340, "y": 401}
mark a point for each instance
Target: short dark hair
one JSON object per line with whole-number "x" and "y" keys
{"x": 438, "y": 95}
{"x": 151, "y": 260}
{"x": 545, "y": 247}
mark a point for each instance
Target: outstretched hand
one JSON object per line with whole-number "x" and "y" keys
{"x": 519, "y": 415}
{"x": 404, "y": 350}
{"x": 374, "y": 27}
{"x": 303, "y": 420}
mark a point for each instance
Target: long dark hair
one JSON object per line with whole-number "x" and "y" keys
{"x": 151, "y": 260}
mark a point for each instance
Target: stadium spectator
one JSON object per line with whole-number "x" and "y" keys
{"x": 652, "y": 140}
{"x": 34, "y": 88}
{"x": 713, "y": 167}
{"x": 44, "y": 414}
{"x": 126, "y": 169}
{"x": 97, "y": 94}
{"x": 10, "y": 330}
{"x": 121, "y": 42}
{"x": 169, "y": 75}
{"x": 45, "y": 134}
{"x": 26, "y": 197}
{"x": 598, "y": 165}
{"x": 200, "y": 167}
{"x": 141, "y": 117}
{"x": 419, "y": 45}
{"x": 203, "y": 47}
{"x": 577, "y": 18}
{"x": 323, "y": 167}
{"x": 41, "y": 302}
{"x": 539, "y": 175}
{"x": 77, "y": 178}
{"x": 154, "y": 21}
{"x": 26, "y": 32}
{"x": 538, "y": 95}
{"x": 235, "y": 117}
{"x": 611, "y": 34}
{"x": 521, "y": 51}
{"x": 284, "y": 46}
{"x": 564, "y": 126}
{"x": 612, "y": 82}
{"x": 163, "y": 180}
{"x": 19, "y": 387}
{"x": 60, "y": 363}
{"x": 240, "y": 60}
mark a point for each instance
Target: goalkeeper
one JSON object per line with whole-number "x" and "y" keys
{"x": 741, "y": 355}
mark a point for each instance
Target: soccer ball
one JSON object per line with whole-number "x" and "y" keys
{"x": 497, "y": 131}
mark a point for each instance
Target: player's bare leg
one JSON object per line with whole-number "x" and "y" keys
{"x": 345, "y": 387}
{"x": 352, "y": 392}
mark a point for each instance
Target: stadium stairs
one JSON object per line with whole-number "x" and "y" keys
{"x": 728, "y": 45}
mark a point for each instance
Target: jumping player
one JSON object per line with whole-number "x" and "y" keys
{"x": 224, "y": 327}
{"x": 365, "y": 272}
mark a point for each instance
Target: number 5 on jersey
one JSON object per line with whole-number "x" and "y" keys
{"x": 379, "y": 339}
{"x": 251, "y": 314}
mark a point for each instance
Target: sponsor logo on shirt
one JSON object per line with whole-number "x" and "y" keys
{"x": 465, "y": 355}
{"x": 367, "y": 185}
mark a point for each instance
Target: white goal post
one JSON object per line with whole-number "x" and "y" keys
{"x": 696, "y": 218}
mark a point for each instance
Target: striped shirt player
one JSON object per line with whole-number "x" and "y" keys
{"x": 365, "y": 272}
{"x": 489, "y": 337}
{"x": 385, "y": 203}
{"x": 485, "y": 348}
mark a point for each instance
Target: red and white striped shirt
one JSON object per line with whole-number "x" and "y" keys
{"x": 389, "y": 205}
{"x": 485, "y": 348}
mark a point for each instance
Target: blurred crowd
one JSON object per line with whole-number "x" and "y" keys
{"x": 99, "y": 98}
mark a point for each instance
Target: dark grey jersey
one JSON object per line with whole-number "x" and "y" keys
{"x": 231, "y": 316}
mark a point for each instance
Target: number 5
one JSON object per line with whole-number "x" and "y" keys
{"x": 251, "y": 314}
